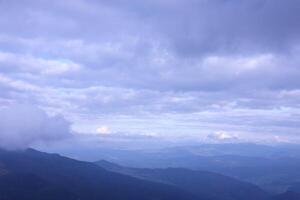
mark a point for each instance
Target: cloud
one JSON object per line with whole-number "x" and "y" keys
{"x": 221, "y": 136}
{"x": 221, "y": 65}
{"x": 24, "y": 125}
{"x": 27, "y": 63}
{"x": 103, "y": 130}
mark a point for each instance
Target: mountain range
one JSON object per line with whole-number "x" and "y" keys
{"x": 34, "y": 175}
{"x": 200, "y": 183}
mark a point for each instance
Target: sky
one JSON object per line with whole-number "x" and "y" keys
{"x": 173, "y": 70}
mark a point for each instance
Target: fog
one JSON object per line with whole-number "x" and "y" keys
{"x": 24, "y": 125}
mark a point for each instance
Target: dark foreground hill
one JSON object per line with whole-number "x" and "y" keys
{"x": 200, "y": 183}
{"x": 32, "y": 175}
{"x": 289, "y": 195}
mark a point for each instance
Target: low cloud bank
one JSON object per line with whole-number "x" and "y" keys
{"x": 23, "y": 125}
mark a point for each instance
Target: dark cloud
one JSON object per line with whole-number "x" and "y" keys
{"x": 195, "y": 27}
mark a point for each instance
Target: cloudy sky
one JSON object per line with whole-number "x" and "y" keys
{"x": 172, "y": 69}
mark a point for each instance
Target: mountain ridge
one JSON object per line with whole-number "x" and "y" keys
{"x": 80, "y": 179}
{"x": 201, "y": 183}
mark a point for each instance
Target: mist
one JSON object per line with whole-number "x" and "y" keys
{"x": 24, "y": 125}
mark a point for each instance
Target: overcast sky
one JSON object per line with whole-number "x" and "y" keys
{"x": 173, "y": 69}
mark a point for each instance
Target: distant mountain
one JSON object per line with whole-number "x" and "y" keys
{"x": 200, "y": 183}
{"x": 154, "y": 157}
{"x": 194, "y": 156}
{"x": 273, "y": 168}
{"x": 33, "y": 175}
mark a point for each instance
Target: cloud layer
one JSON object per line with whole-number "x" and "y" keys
{"x": 24, "y": 125}
{"x": 183, "y": 68}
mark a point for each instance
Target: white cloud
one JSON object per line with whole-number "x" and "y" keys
{"x": 237, "y": 65}
{"x": 103, "y": 130}
{"x": 18, "y": 84}
{"x": 28, "y": 63}
{"x": 222, "y": 136}
{"x": 282, "y": 139}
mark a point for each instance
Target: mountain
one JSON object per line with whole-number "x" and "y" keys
{"x": 193, "y": 156}
{"x": 31, "y": 187}
{"x": 289, "y": 195}
{"x": 156, "y": 157}
{"x": 200, "y": 183}
{"x": 272, "y": 168}
{"x": 33, "y": 175}
{"x": 295, "y": 187}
